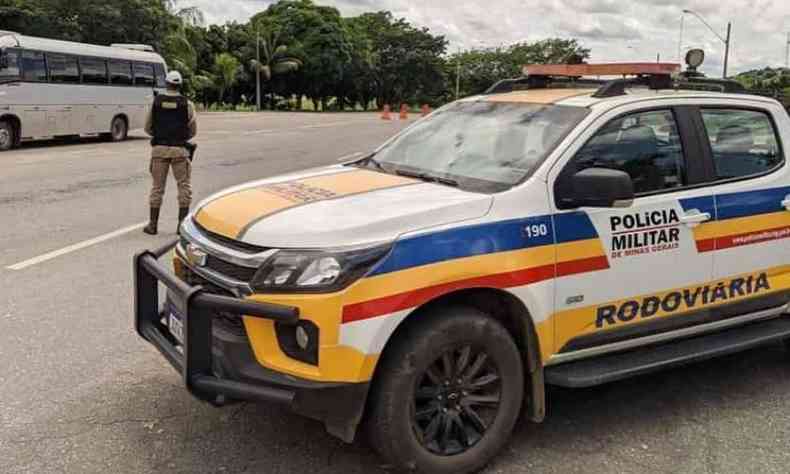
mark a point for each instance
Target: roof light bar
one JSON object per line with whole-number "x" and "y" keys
{"x": 610, "y": 69}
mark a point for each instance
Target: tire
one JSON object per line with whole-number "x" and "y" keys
{"x": 119, "y": 129}
{"x": 7, "y": 135}
{"x": 406, "y": 385}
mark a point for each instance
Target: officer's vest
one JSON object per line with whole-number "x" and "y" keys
{"x": 170, "y": 120}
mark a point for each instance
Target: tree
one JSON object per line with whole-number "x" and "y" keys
{"x": 275, "y": 59}
{"x": 227, "y": 68}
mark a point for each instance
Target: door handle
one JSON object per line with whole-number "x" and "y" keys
{"x": 786, "y": 203}
{"x": 693, "y": 218}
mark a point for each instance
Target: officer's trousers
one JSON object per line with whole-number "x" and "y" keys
{"x": 182, "y": 171}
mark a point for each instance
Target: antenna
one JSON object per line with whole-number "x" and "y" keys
{"x": 787, "y": 52}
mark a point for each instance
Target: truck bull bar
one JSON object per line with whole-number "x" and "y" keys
{"x": 193, "y": 358}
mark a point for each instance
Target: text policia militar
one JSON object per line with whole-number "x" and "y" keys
{"x": 646, "y": 232}
{"x": 681, "y": 300}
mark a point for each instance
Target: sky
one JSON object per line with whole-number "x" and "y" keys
{"x": 615, "y": 30}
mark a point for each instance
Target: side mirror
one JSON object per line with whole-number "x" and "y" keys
{"x": 602, "y": 187}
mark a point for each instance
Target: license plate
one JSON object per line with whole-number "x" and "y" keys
{"x": 176, "y": 326}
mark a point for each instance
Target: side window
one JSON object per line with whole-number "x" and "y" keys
{"x": 34, "y": 66}
{"x": 121, "y": 73}
{"x": 94, "y": 71}
{"x": 143, "y": 75}
{"x": 159, "y": 71}
{"x": 645, "y": 145}
{"x": 63, "y": 68}
{"x": 11, "y": 71}
{"x": 744, "y": 142}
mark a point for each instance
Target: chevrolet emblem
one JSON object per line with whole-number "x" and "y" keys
{"x": 195, "y": 255}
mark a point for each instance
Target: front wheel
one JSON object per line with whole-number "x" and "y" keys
{"x": 7, "y": 135}
{"x": 448, "y": 393}
{"x": 119, "y": 130}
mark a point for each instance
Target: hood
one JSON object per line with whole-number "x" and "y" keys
{"x": 335, "y": 207}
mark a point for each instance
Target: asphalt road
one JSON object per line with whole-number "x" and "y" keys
{"x": 80, "y": 393}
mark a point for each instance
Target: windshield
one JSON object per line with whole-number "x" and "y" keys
{"x": 480, "y": 146}
{"x": 9, "y": 66}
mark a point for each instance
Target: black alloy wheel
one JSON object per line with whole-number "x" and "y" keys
{"x": 456, "y": 400}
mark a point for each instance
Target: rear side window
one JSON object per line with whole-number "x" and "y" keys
{"x": 63, "y": 68}
{"x": 34, "y": 66}
{"x": 121, "y": 73}
{"x": 94, "y": 71}
{"x": 143, "y": 74}
{"x": 743, "y": 142}
{"x": 645, "y": 145}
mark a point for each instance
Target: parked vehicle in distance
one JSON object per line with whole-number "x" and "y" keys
{"x": 51, "y": 88}
{"x": 553, "y": 231}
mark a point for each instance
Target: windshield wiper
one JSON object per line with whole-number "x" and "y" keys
{"x": 428, "y": 177}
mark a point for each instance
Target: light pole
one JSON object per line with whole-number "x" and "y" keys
{"x": 726, "y": 40}
{"x": 458, "y": 75}
{"x": 258, "y": 71}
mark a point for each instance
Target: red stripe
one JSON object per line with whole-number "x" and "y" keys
{"x": 410, "y": 299}
{"x": 583, "y": 265}
{"x": 706, "y": 245}
{"x": 757, "y": 237}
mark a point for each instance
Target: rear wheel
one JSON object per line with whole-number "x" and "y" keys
{"x": 448, "y": 393}
{"x": 119, "y": 130}
{"x": 7, "y": 135}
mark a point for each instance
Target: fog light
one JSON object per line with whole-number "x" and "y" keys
{"x": 302, "y": 338}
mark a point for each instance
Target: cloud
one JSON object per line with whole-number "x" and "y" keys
{"x": 614, "y": 30}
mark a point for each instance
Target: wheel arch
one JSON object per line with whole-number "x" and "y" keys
{"x": 509, "y": 310}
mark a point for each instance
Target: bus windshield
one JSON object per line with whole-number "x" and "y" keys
{"x": 9, "y": 65}
{"x": 479, "y": 146}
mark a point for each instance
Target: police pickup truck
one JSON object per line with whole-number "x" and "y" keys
{"x": 554, "y": 231}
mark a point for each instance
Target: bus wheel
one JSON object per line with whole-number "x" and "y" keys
{"x": 447, "y": 394}
{"x": 7, "y": 135}
{"x": 119, "y": 130}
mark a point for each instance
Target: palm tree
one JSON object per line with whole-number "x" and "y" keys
{"x": 273, "y": 59}
{"x": 227, "y": 67}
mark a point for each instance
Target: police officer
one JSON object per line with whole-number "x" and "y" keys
{"x": 172, "y": 123}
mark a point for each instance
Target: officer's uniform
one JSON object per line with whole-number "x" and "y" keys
{"x": 172, "y": 123}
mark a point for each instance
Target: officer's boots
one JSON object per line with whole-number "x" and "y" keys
{"x": 151, "y": 228}
{"x": 182, "y": 213}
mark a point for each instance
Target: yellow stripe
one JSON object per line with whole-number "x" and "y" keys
{"x": 742, "y": 225}
{"x": 230, "y": 215}
{"x": 579, "y": 250}
{"x": 582, "y": 321}
{"x": 447, "y": 272}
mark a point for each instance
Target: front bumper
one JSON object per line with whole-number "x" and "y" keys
{"x": 218, "y": 367}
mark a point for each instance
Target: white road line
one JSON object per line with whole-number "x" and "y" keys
{"x": 75, "y": 247}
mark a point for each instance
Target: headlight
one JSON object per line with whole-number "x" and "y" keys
{"x": 315, "y": 271}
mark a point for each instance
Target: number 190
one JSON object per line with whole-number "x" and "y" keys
{"x": 536, "y": 230}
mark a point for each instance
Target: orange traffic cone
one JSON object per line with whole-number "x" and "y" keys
{"x": 426, "y": 110}
{"x": 385, "y": 113}
{"x": 404, "y": 112}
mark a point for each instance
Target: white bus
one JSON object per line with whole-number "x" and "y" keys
{"x": 51, "y": 88}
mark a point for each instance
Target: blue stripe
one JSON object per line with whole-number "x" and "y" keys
{"x": 702, "y": 204}
{"x": 574, "y": 226}
{"x": 751, "y": 203}
{"x": 465, "y": 242}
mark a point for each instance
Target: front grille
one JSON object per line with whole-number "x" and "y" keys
{"x": 230, "y": 270}
{"x": 229, "y": 322}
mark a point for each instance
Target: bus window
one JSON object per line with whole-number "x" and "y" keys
{"x": 143, "y": 75}
{"x": 10, "y": 71}
{"x": 34, "y": 67}
{"x": 94, "y": 71}
{"x": 121, "y": 73}
{"x": 63, "y": 68}
{"x": 159, "y": 71}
